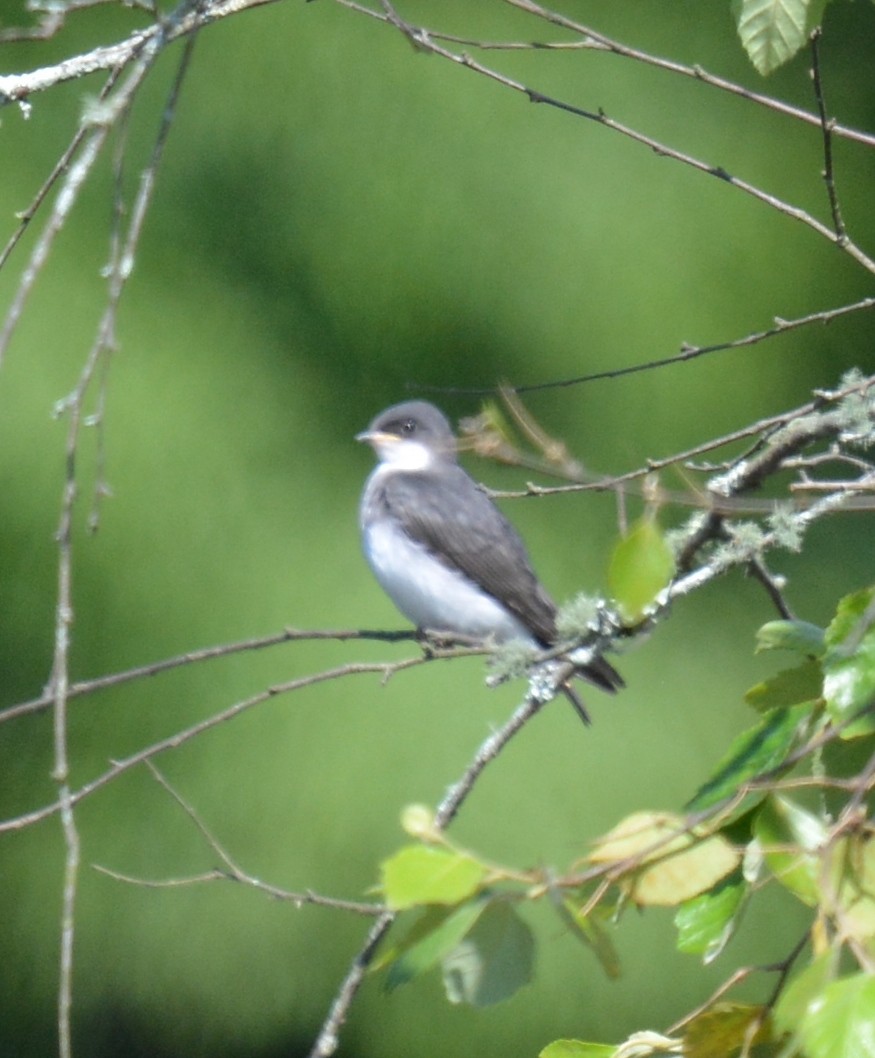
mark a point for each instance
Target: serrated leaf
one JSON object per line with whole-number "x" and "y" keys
{"x": 577, "y": 1049}
{"x": 788, "y": 687}
{"x": 724, "y": 1029}
{"x": 800, "y": 636}
{"x": 419, "y": 874}
{"x": 434, "y": 934}
{"x": 707, "y": 922}
{"x": 641, "y": 566}
{"x": 493, "y": 961}
{"x": 792, "y": 839}
{"x": 771, "y": 31}
{"x": 762, "y": 748}
{"x": 675, "y": 864}
{"x": 841, "y": 1022}
{"x": 591, "y": 930}
{"x": 849, "y": 664}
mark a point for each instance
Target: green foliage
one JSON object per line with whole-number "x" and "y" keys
{"x": 837, "y": 1020}
{"x": 773, "y": 31}
{"x": 393, "y": 220}
{"x": 802, "y": 684}
{"x": 670, "y": 862}
{"x": 706, "y": 923}
{"x": 801, "y": 636}
{"x": 494, "y": 959}
{"x": 642, "y": 564}
{"x": 420, "y": 874}
{"x": 743, "y": 832}
{"x": 576, "y": 1049}
{"x": 762, "y": 749}
{"x": 849, "y": 665}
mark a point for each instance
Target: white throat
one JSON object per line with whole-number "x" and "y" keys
{"x": 405, "y": 455}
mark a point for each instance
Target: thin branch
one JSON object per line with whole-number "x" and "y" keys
{"x": 231, "y": 871}
{"x": 52, "y": 18}
{"x": 759, "y": 429}
{"x": 424, "y": 40}
{"x": 594, "y": 38}
{"x": 299, "y": 899}
{"x": 384, "y": 669}
{"x": 327, "y": 1041}
{"x": 61, "y": 167}
{"x": 827, "y": 127}
{"x": 692, "y": 352}
{"x": 113, "y": 105}
{"x": 185, "y": 20}
{"x": 193, "y": 657}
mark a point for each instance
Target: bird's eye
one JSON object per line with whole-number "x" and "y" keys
{"x": 408, "y": 427}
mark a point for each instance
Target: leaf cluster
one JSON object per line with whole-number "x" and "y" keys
{"x": 777, "y": 812}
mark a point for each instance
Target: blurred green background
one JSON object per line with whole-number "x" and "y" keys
{"x": 338, "y": 221}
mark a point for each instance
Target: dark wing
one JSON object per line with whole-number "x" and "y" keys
{"x": 473, "y": 536}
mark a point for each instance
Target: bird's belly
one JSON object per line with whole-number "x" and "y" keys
{"x": 431, "y": 594}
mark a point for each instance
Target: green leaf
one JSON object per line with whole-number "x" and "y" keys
{"x": 419, "y": 874}
{"x": 839, "y": 1023}
{"x": 788, "y": 687}
{"x": 772, "y": 31}
{"x": 762, "y": 748}
{"x": 591, "y": 930}
{"x": 641, "y": 566}
{"x": 800, "y": 636}
{"x": 851, "y": 879}
{"x": 792, "y": 839}
{"x": 706, "y": 923}
{"x": 675, "y": 864}
{"x": 849, "y": 664}
{"x": 493, "y": 961}
{"x": 803, "y": 992}
{"x": 434, "y": 934}
{"x": 577, "y": 1049}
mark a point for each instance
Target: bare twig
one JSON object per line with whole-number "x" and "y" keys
{"x": 114, "y": 104}
{"x": 384, "y": 669}
{"x": 827, "y": 127}
{"x": 327, "y": 1041}
{"x": 425, "y": 40}
{"x": 231, "y": 871}
{"x": 194, "y": 657}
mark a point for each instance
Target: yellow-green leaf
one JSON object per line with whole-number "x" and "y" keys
{"x": 675, "y": 865}
{"x": 577, "y": 1049}
{"x": 804, "y": 990}
{"x": 419, "y": 874}
{"x": 799, "y": 636}
{"x": 849, "y": 665}
{"x": 591, "y": 930}
{"x": 852, "y": 880}
{"x": 840, "y": 1024}
{"x": 791, "y": 839}
{"x": 788, "y": 687}
{"x": 641, "y": 566}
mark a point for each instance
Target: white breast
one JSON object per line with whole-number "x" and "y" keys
{"x": 429, "y": 593}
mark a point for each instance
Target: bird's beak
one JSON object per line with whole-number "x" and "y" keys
{"x": 376, "y": 437}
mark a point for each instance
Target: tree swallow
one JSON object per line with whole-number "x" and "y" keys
{"x": 443, "y": 552}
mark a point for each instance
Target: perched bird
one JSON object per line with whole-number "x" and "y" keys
{"x": 444, "y": 553}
